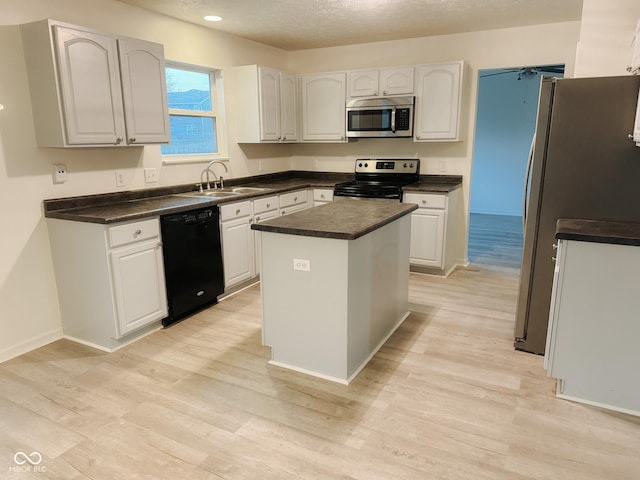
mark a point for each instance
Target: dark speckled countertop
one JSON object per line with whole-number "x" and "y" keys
{"x": 345, "y": 219}
{"x": 131, "y": 205}
{"x": 620, "y": 233}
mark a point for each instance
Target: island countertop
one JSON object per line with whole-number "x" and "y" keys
{"x": 345, "y": 219}
{"x": 598, "y": 231}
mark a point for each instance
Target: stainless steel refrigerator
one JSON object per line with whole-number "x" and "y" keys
{"x": 583, "y": 165}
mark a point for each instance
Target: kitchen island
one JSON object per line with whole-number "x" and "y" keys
{"x": 334, "y": 284}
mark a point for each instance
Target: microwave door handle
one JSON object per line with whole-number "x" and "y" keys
{"x": 393, "y": 119}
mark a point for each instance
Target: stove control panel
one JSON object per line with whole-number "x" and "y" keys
{"x": 388, "y": 165}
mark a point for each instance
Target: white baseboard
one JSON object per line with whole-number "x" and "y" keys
{"x": 31, "y": 344}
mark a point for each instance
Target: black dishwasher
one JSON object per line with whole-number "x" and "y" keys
{"x": 192, "y": 261}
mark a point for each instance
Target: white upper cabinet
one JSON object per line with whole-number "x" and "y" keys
{"x": 267, "y": 108}
{"x": 438, "y": 101}
{"x": 383, "y": 82}
{"x": 289, "y": 107}
{"x": 144, "y": 91}
{"x": 90, "y": 88}
{"x": 323, "y": 107}
{"x": 364, "y": 83}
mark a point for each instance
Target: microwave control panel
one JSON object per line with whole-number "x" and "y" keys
{"x": 403, "y": 118}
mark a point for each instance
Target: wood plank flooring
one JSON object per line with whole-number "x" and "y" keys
{"x": 495, "y": 240}
{"x": 447, "y": 397}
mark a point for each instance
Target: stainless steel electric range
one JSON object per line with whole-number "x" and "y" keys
{"x": 380, "y": 178}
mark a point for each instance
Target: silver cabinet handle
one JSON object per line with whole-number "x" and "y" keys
{"x": 132, "y": 140}
{"x": 268, "y": 205}
{"x": 237, "y": 211}
{"x": 118, "y": 140}
{"x": 137, "y": 233}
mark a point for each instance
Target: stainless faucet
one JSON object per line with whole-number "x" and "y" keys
{"x": 208, "y": 170}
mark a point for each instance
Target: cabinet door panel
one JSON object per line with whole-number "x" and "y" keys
{"x": 90, "y": 84}
{"x": 363, "y": 83}
{"x": 427, "y": 235}
{"x": 288, "y": 107}
{"x": 138, "y": 281}
{"x": 269, "y": 104}
{"x": 323, "y": 107}
{"x": 144, "y": 91}
{"x": 438, "y": 102}
{"x": 396, "y": 81}
{"x": 237, "y": 251}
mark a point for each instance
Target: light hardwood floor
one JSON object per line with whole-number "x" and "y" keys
{"x": 495, "y": 240}
{"x": 447, "y": 397}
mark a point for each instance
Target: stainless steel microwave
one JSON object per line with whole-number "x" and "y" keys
{"x": 380, "y": 117}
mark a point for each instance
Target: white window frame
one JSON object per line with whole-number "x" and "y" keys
{"x": 217, "y": 112}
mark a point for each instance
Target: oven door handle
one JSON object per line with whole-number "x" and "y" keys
{"x": 393, "y": 119}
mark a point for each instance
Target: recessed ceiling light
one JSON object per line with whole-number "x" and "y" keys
{"x": 213, "y": 18}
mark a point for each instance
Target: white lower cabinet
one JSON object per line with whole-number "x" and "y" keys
{"x": 322, "y": 196}
{"x": 294, "y": 202}
{"x": 237, "y": 242}
{"x": 263, "y": 209}
{"x": 110, "y": 280}
{"x": 593, "y": 332}
{"x": 433, "y": 231}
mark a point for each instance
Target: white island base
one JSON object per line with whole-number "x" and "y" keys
{"x": 330, "y": 320}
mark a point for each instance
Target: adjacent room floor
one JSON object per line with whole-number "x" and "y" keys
{"x": 495, "y": 240}
{"x": 447, "y": 397}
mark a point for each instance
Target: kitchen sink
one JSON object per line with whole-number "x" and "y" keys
{"x": 247, "y": 189}
{"x": 210, "y": 193}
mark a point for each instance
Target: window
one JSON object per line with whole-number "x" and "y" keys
{"x": 195, "y": 114}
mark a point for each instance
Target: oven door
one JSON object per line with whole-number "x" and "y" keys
{"x": 360, "y": 193}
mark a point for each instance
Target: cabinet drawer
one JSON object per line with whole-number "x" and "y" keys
{"x": 235, "y": 210}
{"x": 133, "y": 232}
{"x": 322, "y": 195}
{"x": 426, "y": 200}
{"x": 266, "y": 204}
{"x": 293, "y": 198}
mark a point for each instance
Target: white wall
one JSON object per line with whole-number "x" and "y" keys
{"x": 606, "y": 33}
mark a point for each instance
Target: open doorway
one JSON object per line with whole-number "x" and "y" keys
{"x": 505, "y": 124}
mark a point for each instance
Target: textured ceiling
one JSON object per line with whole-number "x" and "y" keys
{"x": 303, "y": 24}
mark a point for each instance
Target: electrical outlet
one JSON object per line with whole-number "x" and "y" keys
{"x": 150, "y": 175}
{"x": 59, "y": 173}
{"x": 443, "y": 165}
{"x": 121, "y": 178}
{"x": 301, "y": 264}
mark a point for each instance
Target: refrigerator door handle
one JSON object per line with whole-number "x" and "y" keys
{"x": 527, "y": 177}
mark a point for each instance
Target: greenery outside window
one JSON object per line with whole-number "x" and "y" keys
{"x": 196, "y": 114}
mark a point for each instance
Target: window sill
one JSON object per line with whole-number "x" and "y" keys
{"x": 185, "y": 159}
